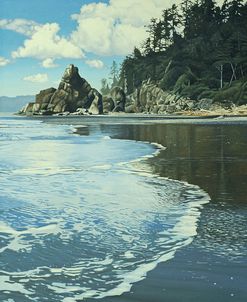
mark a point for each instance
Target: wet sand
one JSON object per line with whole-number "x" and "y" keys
{"x": 209, "y": 152}
{"x": 213, "y": 156}
{"x": 141, "y": 119}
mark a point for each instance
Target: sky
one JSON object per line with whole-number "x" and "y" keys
{"x": 39, "y": 38}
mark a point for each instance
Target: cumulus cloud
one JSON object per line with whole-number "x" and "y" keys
{"x": 46, "y": 43}
{"x": 48, "y": 63}
{"x": 95, "y": 63}
{"x": 112, "y": 28}
{"x": 21, "y": 26}
{"x": 115, "y": 28}
{"x": 4, "y": 61}
{"x": 37, "y": 78}
{"x": 43, "y": 41}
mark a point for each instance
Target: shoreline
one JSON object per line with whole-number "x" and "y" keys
{"x": 196, "y": 272}
{"x": 193, "y": 273}
{"x": 125, "y": 118}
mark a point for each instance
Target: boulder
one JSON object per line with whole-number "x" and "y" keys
{"x": 108, "y": 104}
{"x": 131, "y": 109}
{"x": 27, "y": 109}
{"x": 81, "y": 111}
{"x": 36, "y": 107}
{"x": 118, "y": 96}
{"x": 96, "y": 106}
{"x": 204, "y": 104}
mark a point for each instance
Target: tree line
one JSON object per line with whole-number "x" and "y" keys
{"x": 197, "y": 49}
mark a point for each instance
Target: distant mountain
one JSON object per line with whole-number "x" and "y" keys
{"x": 14, "y": 104}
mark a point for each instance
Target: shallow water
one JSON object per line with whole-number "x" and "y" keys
{"x": 213, "y": 267}
{"x": 84, "y": 216}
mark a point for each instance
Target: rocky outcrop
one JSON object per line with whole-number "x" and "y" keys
{"x": 119, "y": 98}
{"x": 149, "y": 98}
{"x": 115, "y": 100}
{"x": 73, "y": 93}
{"x": 76, "y": 96}
{"x": 95, "y": 98}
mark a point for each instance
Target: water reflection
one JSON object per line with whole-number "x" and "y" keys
{"x": 213, "y": 156}
{"x": 76, "y": 221}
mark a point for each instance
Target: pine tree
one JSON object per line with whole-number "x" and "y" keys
{"x": 114, "y": 74}
{"x": 104, "y": 87}
{"x": 201, "y": 42}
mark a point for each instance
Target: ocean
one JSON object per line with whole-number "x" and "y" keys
{"x": 121, "y": 211}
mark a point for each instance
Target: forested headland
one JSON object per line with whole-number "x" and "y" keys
{"x": 197, "y": 50}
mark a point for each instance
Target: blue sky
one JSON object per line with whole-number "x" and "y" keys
{"x": 12, "y": 74}
{"x": 39, "y": 38}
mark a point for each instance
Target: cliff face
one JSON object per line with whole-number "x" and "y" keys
{"x": 149, "y": 98}
{"x": 74, "y": 93}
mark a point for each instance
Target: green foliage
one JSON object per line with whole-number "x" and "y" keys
{"x": 105, "y": 89}
{"x": 194, "y": 91}
{"x": 170, "y": 78}
{"x": 207, "y": 94}
{"x": 237, "y": 93}
{"x": 231, "y": 94}
{"x": 195, "y": 50}
{"x": 211, "y": 82}
{"x": 114, "y": 74}
{"x": 184, "y": 81}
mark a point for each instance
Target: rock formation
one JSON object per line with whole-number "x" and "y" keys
{"x": 74, "y": 94}
{"x": 149, "y": 98}
{"x": 115, "y": 100}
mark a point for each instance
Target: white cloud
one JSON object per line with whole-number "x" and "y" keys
{"x": 95, "y": 63}
{"x": 45, "y": 43}
{"x": 22, "y": 26}
{"x": 37, "y": 78}
{"x": 115, "y": 28}
{"x": 4, "y": 61}
{"x": 112, "y": 28}
{"x": 48, "y": 63}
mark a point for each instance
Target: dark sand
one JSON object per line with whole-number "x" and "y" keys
{"x": 209, "y": 152}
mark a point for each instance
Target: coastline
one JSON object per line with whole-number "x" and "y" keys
{"x": 132, "y": 118}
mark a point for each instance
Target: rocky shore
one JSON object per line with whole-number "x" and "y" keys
{"x": 75, "y": 96}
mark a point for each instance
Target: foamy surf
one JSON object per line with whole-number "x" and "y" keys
{"x": 85, "y": 222}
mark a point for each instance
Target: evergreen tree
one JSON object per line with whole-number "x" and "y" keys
{"x": 114, "y": 74}
{"x": 137, "y": 53}
{"x": 199, "y": 48}
{"x": 105, "y": 89}
{"x": 154, "y": 43}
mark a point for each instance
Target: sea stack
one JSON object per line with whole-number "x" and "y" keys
{"x": 74, "y": 95}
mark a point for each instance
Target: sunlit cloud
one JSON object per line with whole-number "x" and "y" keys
{"x": 37, "y": 78}
{"x": 4, "y": 61}
{"x": 48, "y": 63}
{"x": 21, "y": 26}
{"x": 95, "y": 63}
{"x": 115, "y": 28}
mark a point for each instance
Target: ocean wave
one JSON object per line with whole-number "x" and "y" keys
{"x": 88, "y": 222}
